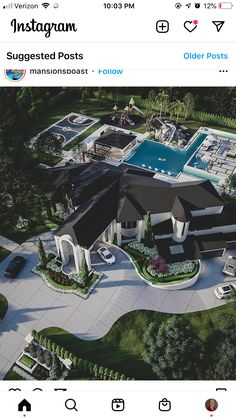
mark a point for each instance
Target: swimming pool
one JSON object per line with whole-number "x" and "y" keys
{"x": 161, "y": 158}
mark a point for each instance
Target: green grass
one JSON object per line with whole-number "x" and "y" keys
{"x": 8, "y": 229}
{"x": 122, "y": 348}
{"x": 195, "y": 125}
{"x": 13, "y": 376}
{"x": 81, "y": 137}
{"x": 27, "y": 361}
{"x": 49, "y": 160}
{"x": 3, "y": 306}
{"x": 4, "y": 253}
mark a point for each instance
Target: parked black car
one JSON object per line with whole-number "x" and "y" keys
{"x": 15, "y": 266}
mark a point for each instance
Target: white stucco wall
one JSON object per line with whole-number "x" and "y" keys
{"x": 158, "y": 218}
{"x": 221, "y": 229}
{"x": 180, "y": 230}
{"x": 207, "y": 211}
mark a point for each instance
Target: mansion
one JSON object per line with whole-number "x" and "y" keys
{"x": 110, "y": 204}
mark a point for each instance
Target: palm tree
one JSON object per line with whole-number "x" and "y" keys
{"x": 178, "y": 108}
{"x": 162, "y": 99}
{"x": 171, "y": 109}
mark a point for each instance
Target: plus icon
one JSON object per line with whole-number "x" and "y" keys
{"x": 162, "y": 26}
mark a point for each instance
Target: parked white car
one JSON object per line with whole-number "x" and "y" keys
{"x": 106, "y": 255}
{"x": 225, "y": 291}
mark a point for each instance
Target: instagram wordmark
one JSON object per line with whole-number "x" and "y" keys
{"x": 47, "y": 28}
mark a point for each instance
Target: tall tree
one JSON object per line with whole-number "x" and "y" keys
{"x": 56, "y": 369}
{"x": 148, "y": 234}
{"x": 172, "y": 349}
{"x": 189, "y": 101}
{"x": 47, "y": 143}
{"x": 42, "y": 254}
{"x": 162, "y": 99}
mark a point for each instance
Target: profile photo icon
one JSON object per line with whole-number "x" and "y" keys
{"x": 211, "y": 405}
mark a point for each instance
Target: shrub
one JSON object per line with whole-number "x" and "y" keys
{"x": 144, "y": 250}
{"x": 39, "y": 352}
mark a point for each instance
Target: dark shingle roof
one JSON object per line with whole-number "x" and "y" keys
{"x": 115, "y": 139}
{"x": 104, "y": 193}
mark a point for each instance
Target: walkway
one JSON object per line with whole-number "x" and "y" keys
{"x": 32, "y": 305}
{"x": 8, "y": 244}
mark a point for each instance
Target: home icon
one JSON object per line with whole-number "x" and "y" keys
{"x": 24, "y": 405}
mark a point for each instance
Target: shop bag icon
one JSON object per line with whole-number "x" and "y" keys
{"x": 164, "y": 405}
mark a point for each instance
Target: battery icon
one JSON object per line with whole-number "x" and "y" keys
{"x": 225, "y": 5}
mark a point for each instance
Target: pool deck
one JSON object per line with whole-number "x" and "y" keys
{"x": 220, "y": 162}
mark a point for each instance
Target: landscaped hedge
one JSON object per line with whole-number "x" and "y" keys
{"x": 91, "y": 368}
{"x": 3, "y": 306}
{"x": 142, "y": 269}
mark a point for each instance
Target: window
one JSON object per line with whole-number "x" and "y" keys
{"x": 129, "y": 224}
{"x": 126, "y": 238}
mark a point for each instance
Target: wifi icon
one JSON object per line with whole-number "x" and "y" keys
{"x": 45, "y": 5}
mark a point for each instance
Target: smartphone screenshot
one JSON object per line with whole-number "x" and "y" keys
{"x": 117, "y": 209}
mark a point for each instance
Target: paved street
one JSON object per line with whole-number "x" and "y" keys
{"x": 32, "y": 305}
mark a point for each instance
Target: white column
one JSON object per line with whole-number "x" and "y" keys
{"x": 88, "y": 258}
{"x": 110, "y": 233}
{"x": 80, "y": 254}
{"x": 64, "y": 251}
{"x": 180, "y": 230}
{"x": 57, "y": 241}
{"x": 142, "y": 228}
{"x": 139, "y": 230}
{"x": 118, "y": 233}
{"x": 76, "y": 258}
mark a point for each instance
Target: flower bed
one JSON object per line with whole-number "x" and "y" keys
{"x": 158, "y": 272}
{"x": 140, "y": 249}
{"x": 73, "y": 288}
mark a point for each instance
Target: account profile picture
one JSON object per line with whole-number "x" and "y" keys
{"x": 211, "y": 405}
{"x": 14, "y": 74}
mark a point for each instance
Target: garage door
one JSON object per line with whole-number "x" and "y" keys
{"x": 212, "y": 253}
{"x": 231, "y": 245}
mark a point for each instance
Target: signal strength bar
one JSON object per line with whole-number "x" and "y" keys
{"x": 8, "y": 6}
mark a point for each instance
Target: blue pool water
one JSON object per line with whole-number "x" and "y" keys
{"x": 163, "y": 159}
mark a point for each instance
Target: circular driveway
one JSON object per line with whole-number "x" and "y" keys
{"x": 32, "y": 305}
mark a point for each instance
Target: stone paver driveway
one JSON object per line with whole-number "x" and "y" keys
{"x": 32, "y": 305}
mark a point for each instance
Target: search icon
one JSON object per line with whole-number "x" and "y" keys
{"x": 71, "y": 404}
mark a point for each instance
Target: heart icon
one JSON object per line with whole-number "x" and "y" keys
{"x": 190, "y": 25}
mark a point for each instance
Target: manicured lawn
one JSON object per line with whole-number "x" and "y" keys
{"x": 81, "y": 137}
{"x": 49, "y": 160}
{"x": 122, "y": 348}
{"x": 27, "y": 361}
{"x": 3, "y": 306}
{"x": 36, "y": 227}
{"x": 13, "y": 376}
{"x": 4, "y": 253}
{"x": 195, "y": 125}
